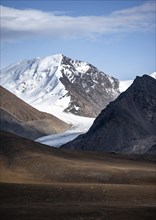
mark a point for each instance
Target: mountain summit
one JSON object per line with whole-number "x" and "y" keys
{"x": 75, "y": 86}
{"x": 126, "y": 125}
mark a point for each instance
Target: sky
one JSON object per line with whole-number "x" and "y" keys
{"x": 116, "y": 36}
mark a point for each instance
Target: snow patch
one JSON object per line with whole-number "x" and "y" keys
{"x": 153, "y": 75}
{"x": 123, "y": 85}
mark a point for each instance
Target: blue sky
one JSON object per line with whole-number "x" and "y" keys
{"x": 116, "y": 36}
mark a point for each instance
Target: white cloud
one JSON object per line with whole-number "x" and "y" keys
{"x": 16, "y": 23}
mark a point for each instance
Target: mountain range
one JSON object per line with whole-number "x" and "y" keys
{"x": 126, "y": 125}
{"x": 43, "y": 182}
{"x": 61, "y": 86}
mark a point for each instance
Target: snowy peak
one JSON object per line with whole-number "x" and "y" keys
{"x": 74, "y": 69}
{"x": 58, "y": 81}
{"x": 36, "y": 80}
{"x": 89, "y": 88}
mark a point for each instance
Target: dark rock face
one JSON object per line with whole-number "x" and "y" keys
{"x": 127, "y": 125}
{"x": 152, "y": 150}
{"x": 90, "y": 89}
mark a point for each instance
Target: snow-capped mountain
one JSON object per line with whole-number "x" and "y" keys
{"x": 60, "y": 82}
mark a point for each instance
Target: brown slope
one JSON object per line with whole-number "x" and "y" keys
{"x": 22, "y": 119}
{"x": 40, "y": 182}
{"x": 28, "y": 161}
{"x": 11, "y": 124}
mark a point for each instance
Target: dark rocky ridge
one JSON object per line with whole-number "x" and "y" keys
{"x": 127, "y": 125}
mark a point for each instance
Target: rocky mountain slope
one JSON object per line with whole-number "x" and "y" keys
{"x": 127, "y": 125}
{"x": 18, "y": 117}
{"x": 58, "y": 81}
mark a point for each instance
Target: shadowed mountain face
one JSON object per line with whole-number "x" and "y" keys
{"x": 20, "y": 118}
{"x": 126, "y": 125}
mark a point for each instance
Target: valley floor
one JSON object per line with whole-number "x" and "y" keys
{"x": 77, "y": 202}
{"x": 39, "y": 182}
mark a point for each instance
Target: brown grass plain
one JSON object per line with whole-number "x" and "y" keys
{"x": 39, "y": 182}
